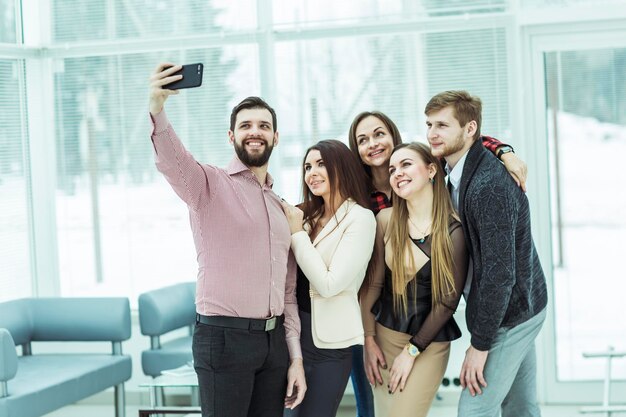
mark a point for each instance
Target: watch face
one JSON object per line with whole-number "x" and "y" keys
{"x": 412, "y": 349}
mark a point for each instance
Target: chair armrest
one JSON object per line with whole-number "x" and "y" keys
{"x": 8, "y": 356}
{"x": 167, "y": 309}
{"x": 81, "y": 319}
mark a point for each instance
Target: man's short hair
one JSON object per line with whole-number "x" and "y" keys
{"x": 466, "y": 107}
{"x": 252, "y": 102}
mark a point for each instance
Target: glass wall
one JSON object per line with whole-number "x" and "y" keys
{"x": 121, "y": 229}
{"x": 15, "y": 273}
{"x": 150, "y": 19}
{"x": 586, "y": 97}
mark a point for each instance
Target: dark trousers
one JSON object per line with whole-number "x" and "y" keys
{"x": 326, "y": 371}
{"x": 241, "y": 373}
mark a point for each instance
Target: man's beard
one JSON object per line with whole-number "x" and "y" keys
{"x": 454, "y": 147}
{"x": 256, "y": 160}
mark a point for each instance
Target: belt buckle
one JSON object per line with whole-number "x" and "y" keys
{"x": 270, "y": 324}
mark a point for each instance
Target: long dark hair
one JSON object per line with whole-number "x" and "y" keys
{"x": 354, "y": 146}
{"x": 344, "y": 175}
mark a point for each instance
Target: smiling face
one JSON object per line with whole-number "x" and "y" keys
{"x": 316, "y": 175}
{"x": 254, "y": 137}
{"x": 408, "y": 173}
{"x": 374, "y": 141}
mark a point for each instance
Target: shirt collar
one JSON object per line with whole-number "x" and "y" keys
{"x": 454, "y": 175}
{"x": 236, "y": 167}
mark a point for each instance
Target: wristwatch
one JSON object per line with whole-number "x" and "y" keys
{"x": 412, "y": 350}
{"x": 504, "y": 149}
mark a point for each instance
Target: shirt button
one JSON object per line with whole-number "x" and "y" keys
{"x": 273, "y": 258}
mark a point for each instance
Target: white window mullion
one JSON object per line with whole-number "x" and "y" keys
{"x": 42, "y": 152}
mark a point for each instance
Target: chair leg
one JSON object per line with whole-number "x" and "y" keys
{"x": 120, "y": 401}
{"x": 157, "y": 398}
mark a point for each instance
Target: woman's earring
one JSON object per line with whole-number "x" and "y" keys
{"x": 432, "y": 180}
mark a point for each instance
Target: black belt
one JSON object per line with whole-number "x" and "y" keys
{"x": 264, "y": 325}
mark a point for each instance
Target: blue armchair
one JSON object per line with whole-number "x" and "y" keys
{"x": 162, "y": 311}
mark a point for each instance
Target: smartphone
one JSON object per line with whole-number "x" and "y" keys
{"x": 192, "y": 77}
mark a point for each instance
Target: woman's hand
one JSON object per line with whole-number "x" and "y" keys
{"x": 517, "y": 168}
{"x": 373, "y": 358}
{"x": 400, "y": 370}
{"x": 295, "y": 216}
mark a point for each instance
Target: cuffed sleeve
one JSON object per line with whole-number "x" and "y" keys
{"x": 491, "y": 144}
{"x": 292, "y": 319}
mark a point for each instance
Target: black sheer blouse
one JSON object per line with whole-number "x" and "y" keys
{"x": 421, "y": 321}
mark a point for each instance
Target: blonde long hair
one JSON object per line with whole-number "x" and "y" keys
{"x": 442, "y": 261}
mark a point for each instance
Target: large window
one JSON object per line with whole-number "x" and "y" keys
{"x": 586, "y": 97}
{"x": 15, "y": 273}
{"x": 149, "y": 19}
{"x": 121, "y": 229}
{"x": 325, "y": 83}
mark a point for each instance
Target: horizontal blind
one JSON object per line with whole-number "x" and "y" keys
{"x": 121, "y": 229}
{"x": 15, "y": 273}
{"x": 7, "y": 21}
{"x": 476, "y": 61}
{"x": 147, "y": 19}
{"x": 534, "y": 4}
{"x": 325, "y": 83}
{"x": 309, "y": 13}
{"x": 303, "y": 12}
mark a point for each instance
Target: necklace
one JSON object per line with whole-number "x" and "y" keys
{"x": 423, "y": 233}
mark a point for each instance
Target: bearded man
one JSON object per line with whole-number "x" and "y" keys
{"x": 246, "y": 342}
{"x": 506, "y": 290}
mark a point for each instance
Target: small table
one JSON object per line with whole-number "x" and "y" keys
{"x": 168, "y": 410}
{"x": 180, "y": 377}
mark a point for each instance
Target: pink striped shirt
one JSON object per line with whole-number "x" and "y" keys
{"x": 242, "y": 237}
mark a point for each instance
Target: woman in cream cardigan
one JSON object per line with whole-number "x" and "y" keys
{"x": 332, "y": 239}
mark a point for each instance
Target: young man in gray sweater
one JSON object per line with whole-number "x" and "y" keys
{"x": 506, "y": 290}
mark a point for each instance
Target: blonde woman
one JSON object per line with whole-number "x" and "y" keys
{"x": 407, "y": 311}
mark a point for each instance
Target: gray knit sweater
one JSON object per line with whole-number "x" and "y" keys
{"x": 508, "y": 285}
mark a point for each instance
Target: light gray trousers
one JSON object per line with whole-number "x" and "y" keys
{"x": 510, "y": 373}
